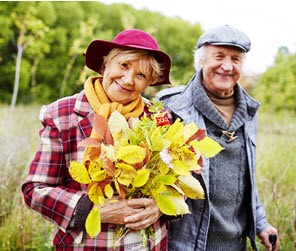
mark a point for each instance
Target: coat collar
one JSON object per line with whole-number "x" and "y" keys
{"x": 82, "y": 106}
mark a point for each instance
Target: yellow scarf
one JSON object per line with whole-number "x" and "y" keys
{"x": 99, "y": 101}
{"x": 101, "y": 104}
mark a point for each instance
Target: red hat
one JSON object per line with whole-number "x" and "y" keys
{"x": 128, "y": 39}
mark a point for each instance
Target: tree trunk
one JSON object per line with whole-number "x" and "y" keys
{"x": 16, "y": 80}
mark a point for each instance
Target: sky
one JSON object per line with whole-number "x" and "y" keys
{"x": 269, "y": 24}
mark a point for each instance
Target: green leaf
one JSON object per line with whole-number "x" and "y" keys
{"x": 131, "y": 154}
{"x": 79, "y": 173}
{"x": 191, "y": 187}
{"x": 141, "y": 178}
{"x": 93, "y": 222}
{"x": 207, "y": 147}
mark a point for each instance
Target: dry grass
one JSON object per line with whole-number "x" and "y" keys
{"x": 21, "y": 229}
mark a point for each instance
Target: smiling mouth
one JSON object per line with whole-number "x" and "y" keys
{"x": 224, "y": 75}
{"x": 122, "y": 88}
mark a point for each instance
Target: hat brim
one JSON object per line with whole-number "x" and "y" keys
{"x": 229, "y": 44}
{"x": 97, "y": 49}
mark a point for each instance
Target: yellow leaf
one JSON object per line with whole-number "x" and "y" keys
{"x": 108, "y": 190}
{"x": 167, "y": 179}
{"x": 79, "y": 173}
{"x": 157, "y": 141}
{"x": 158, "y": 188}
{"x": 207, "y": 147}
{"x": 125, "y": 178}
{"x": 165, "y": 205}
{"x": 175, "y": 132}
{"x": 96, "y": 195}
{"x": 117, "y": 123}
{"x": 94, "y": 166}
{"x": 131, "y": 154}
{"x": 171, "y": 202}
{"x": 191, "y": 187}
{"x": 99, "y": 175}
{"x": 141, "y": 178}
{"x": 93, "y": 222}
{"x": 190, "y": 158}
{"x": 107, "y": 152}
{"x": 125, "y": 166}
{"x": 180, "y": 167}
{"x": 189, "y": 130}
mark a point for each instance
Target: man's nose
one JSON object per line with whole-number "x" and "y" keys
{"x": 227, "y": 65}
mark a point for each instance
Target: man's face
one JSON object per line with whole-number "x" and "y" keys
{"x": 221, "y": 68}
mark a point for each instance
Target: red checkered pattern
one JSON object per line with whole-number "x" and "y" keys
{"x": 50, "y": 190}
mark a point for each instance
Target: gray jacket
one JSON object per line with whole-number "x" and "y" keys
{"x": 190, "y": 233}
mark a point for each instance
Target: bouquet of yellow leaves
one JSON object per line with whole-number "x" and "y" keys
{"x": 147, "y": 157}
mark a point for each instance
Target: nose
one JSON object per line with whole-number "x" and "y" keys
{"x": 128, "y": 77}
{"x": 227, "y": 65}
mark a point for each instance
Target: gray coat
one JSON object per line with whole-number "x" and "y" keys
{"x": 190, "y": 233}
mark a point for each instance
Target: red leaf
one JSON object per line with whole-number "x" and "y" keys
{"x": 92, "y": 142}
{"x": 199, "y": 135}
{"x": 109, "y": 138}
{"x": 110, "y": 168}
{"x": 100, "y": 125}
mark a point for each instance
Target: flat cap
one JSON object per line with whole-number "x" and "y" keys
{"x": 225, "y": 35}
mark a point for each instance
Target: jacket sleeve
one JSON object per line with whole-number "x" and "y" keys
{"x": 48, "y": 188}
{"x": 260, "y": 214}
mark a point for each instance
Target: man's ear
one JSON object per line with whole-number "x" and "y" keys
{"x": 201, "y": 63}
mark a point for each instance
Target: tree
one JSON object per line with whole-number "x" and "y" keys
{"x": 31, "y": 31}
{"x": 86, "y": 33}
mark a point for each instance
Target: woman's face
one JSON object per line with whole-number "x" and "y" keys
{"x": 123, "y": 82}
{"x": 221, "y": 68}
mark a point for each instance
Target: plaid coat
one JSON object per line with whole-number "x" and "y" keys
{"x": 49, "y": 188}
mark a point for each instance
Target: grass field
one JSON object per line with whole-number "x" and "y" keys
{"x": 21, "y": 229}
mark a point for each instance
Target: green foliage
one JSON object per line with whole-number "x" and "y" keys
{"x": 64, "y": 29}
{"x": 276, "y": 88}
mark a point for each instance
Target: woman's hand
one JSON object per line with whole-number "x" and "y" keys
{"x": 148, "y": 213}
{"x": 115, "y": 212}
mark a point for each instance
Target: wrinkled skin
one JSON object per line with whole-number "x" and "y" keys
{"x": 263, "y": 236}
{"x": 136, "y": 214}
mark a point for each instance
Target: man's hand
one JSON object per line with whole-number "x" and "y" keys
{"x": 264, "y": 236}
{"x": 149, "y": 213}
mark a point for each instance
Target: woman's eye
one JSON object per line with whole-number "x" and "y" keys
{"x": 142, "y": 75}
{"x": 124, "y": 65}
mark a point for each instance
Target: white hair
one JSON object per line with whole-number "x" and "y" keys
{"x": 199, "y": 57}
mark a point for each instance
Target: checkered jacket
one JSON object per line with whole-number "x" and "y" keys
{"x": 49, "y": 188}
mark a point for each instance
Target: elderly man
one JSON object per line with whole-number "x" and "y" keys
{"x": 214, "y": 100}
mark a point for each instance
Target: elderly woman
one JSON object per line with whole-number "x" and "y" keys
{"x": 127, "y": 66}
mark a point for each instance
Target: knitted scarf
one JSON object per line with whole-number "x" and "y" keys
{"x": 99, "y": 101}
